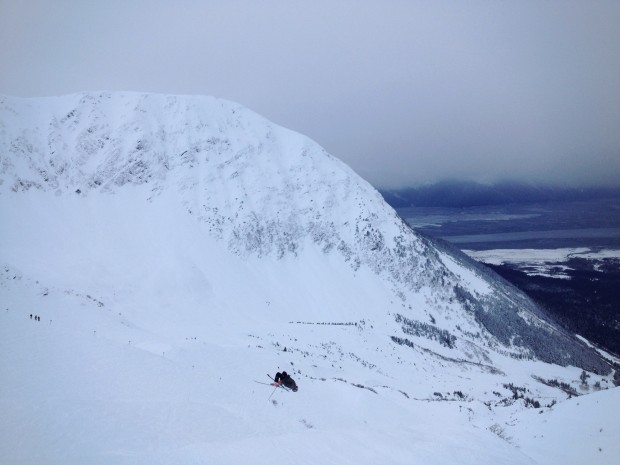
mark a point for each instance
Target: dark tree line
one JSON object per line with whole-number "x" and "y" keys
{"x": 586, "y": 304}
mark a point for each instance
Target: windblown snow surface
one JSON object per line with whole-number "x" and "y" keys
{"x": 179, "y": 249}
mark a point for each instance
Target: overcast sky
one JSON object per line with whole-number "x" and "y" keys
{"x": 405, "y": 92}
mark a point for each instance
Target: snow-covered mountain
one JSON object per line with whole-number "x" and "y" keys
{"x": 178, "y": 248}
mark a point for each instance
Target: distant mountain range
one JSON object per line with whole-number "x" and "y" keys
{"x": 458, "y": 194}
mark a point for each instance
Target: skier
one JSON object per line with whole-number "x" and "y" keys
{"x": 284, "y": 379}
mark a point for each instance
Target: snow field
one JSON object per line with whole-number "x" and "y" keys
{"x": 152, "y": 357}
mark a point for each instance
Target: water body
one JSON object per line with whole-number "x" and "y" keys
{"x": 584, "y": 234}
{"x": 592, "y": 223}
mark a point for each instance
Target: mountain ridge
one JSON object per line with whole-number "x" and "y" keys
{"x": 205, "y": 246}
{"x": 161, "y": 141}
{"x": 463, "y": 194}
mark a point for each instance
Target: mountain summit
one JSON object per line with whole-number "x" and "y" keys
{"x": 190, "y": 238}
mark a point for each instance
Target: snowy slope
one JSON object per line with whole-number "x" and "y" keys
{"x": 179, "y": 248}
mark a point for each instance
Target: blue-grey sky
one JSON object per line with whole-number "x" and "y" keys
{"x": 404, "y": 91}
